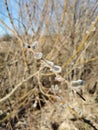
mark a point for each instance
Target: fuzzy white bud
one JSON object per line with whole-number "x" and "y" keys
{"x": 38, "y": 55}
{"x": 77, "y": 83}
{"x": 34, "y": 45}
{"x": 56, "y": 69}
{"x": 26, "y": 45}
{"x": 49, "y": 63}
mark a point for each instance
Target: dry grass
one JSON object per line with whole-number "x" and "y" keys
{"x": 19, "y": 89}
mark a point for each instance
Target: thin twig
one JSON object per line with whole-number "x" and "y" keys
{"x": 16, "y": 87}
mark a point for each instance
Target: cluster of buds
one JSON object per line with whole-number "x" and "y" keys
{"x": 54, "y": 68}
{"x": 33, "y": 47}
{"x": 39, "y": 55}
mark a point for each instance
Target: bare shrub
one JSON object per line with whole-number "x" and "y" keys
{"x": 50, "y": 55}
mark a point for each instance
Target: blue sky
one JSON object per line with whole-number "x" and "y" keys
{"x": 13, "y": 6}
{"x": 4, "y": 15}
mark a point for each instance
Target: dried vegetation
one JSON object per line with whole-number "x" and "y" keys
{"x": 36, "y": 91}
